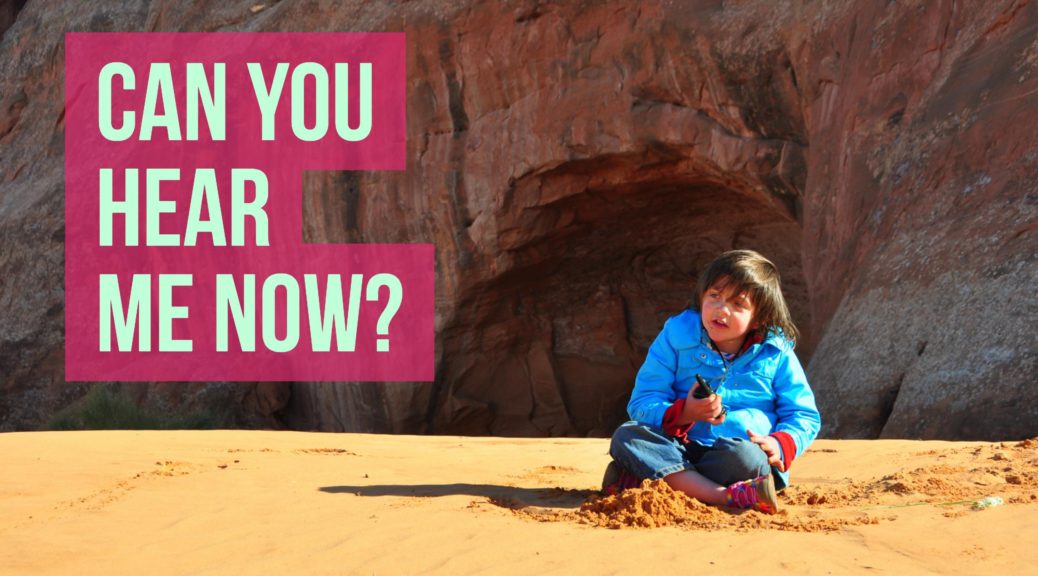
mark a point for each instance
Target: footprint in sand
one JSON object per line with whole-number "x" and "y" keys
{"x": 102, "y": 498}
{"x": 325, "y": 451}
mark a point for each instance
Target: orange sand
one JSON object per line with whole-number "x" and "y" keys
{"x": 244, "y": 502}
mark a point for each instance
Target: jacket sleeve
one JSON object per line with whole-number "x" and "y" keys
{"x": 654, "y": 386}
{"x": 797, "y": 415}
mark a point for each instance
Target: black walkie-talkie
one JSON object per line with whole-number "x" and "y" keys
{"x": 704, "y": 390}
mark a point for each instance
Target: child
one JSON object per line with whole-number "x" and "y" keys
{"x": 735, "y": 446}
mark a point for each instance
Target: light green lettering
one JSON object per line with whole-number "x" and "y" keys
{"x": 321, "y": 324}
{"x": 104, "y": 101}
{"x": 396, "y": 294}
{"x": 214, "y": 104}
{"x": 138, "y": 313}
{"x": 268, "y": 100}
{"x": 160, "y": 84}
{"x": 205, "y": 188}
{"x": 270, "y": 312}
{"x": 342, "y": 83}
{"x": 168, "y": 312}
{"x": 299, "y": 101}
{"x": 244, "y": 314}
{"x": 240, "y": 208}
{"x": 109, "y": 207}
{"x": 157, "y": 206}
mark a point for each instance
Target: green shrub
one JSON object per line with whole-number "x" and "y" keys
{"x": 106, "y": 409}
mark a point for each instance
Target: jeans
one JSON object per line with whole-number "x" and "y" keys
{"x": 649, "y": 452}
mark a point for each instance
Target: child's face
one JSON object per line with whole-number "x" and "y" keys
{"x": 727, "y": 317}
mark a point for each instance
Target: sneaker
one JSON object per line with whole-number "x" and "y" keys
{"x": 617, "y": 479}
{"x": 758, "y": 493}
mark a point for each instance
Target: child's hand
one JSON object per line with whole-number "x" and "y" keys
{"x": 707, "y": 409}
{"x": 770, "y": 446}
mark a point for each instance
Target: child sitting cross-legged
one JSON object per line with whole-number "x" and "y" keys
{"x": 735, "y": 446}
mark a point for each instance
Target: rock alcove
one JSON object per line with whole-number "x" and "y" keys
{"x": 585, "y": 263}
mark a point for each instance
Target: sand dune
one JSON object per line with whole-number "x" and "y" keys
{"x": 249, "y": 502}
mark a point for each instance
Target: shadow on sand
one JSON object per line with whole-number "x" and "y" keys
{"x": 506, "y": 496}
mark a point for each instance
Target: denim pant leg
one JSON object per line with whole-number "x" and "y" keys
{"x": 647, "y": 451}
{"x": 732, "y": 460}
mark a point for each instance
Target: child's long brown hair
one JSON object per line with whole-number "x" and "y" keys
{"x": 748, "y": 271}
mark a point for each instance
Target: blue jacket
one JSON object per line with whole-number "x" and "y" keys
{"x": 763, "y": 389}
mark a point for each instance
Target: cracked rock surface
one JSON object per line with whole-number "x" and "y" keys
{"x": 576, "y": 165}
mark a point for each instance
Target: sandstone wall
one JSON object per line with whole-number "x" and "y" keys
{"x": 576, "y": 164}
{"x": 919, "y": 227}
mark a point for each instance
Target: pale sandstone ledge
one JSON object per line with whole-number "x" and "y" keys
{"x": 251, "y": 502}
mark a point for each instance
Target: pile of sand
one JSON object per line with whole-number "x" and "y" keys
{"x": 1009, "y": 471}
{"x": 655, "y": 504}
{"x": 652, "y": 505}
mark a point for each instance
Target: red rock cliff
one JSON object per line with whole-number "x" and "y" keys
{"x": 576, "y": 164}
